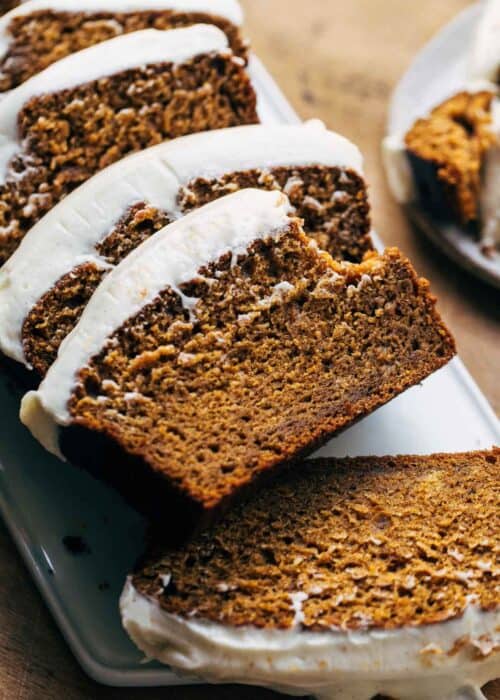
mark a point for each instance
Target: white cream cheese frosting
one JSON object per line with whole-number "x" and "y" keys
{"x": 257, "y": 146}
{"x": 66, "y": 237}
{"x": 484, "y": 56}
{"x": 443, "y": 661}
{"x": 490, "y": 190}
{"x": 228, "y": 9}
{"x": 170, "y": 257}
{"x": 398, "y": 169}
{"x": 137, "y": 49}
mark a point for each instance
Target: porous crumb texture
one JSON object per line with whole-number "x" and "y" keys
{"x": 139, "y": 223}
{"x": 446, "y": 151}
{"x": 332, "y": 202}
{"x": 58, "y": 310}
{"x": 43, "y": 37}
{"x": 284, "y": 348}
{"x": 367, "y": 542}
{"x": 68, "y": 136}
{"x": 43, "y": 333}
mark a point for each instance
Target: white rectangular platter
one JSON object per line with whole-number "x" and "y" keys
{"x": 44, "y": 501}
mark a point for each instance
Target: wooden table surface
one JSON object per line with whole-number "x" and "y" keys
{"x": 337, "y": 61}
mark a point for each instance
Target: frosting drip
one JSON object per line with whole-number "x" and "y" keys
{"x": 411, "y": 663}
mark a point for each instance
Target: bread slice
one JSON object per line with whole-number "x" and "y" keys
{"x": 447, "y": 150}
{"x": 348, "y": 578}
{"x": 90, "y": 109}
{"x": 225, "y": 346}
{"x": 41, "y": 32}
{"x": 448, "y": 165}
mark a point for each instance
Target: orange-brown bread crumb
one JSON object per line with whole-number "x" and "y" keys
{"x": 260, "y": 376}
{"x": 59, "y": 309}
{"x": 40, "y": 38}
{"x": 373, "y": 542}
{"x": 70, "y": 135}
{"x": 446, "y": 151}
{"x": 332, "y": 201}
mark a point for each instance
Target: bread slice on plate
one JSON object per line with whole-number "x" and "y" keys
{"x": 346, "y": 579}
{"x": 225, "y": 346}
{"x": 447, "y": 164}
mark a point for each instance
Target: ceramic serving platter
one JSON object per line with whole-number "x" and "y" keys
{"x": 44, "y": 501}
{"x": 438, "y": 72}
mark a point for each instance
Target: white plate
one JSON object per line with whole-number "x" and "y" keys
{"x": 43, "y": 500}
{"x": 438, "y": 72}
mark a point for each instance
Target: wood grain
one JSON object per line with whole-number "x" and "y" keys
{"x": 337, "y": 61}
